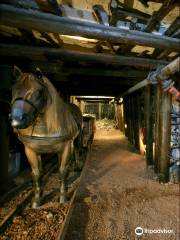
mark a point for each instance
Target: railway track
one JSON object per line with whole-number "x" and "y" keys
{"x": 15, "y": 210}
{"x": 22, "y": 194}
{"x": 18, "y": 221}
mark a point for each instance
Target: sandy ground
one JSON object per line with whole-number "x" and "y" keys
{"x": 118, "y": 194}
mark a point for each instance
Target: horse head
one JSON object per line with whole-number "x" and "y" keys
{"x": 28, "y": 98}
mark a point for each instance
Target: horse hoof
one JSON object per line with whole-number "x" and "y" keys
{"x": 63, "y": 200}
{"x": 35, "y": 205}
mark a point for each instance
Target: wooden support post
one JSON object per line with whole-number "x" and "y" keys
{"x": 122, "y": 110}
{"x": 138, "y": 99}
{"x": 118, "y": 115}
{"x": 148, "y": 125}
{"x": 99, "y": 110}
{"x": 125, "y": 117}
{"x": 136, "y": 120}
{"x": 130, "y": 120}
{"x": 122, "y": 114}
{"x": 165, "y": 136}
{"x": 157, "y": 126}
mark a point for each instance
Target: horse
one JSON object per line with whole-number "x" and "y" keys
{"x": 45, "y": 124}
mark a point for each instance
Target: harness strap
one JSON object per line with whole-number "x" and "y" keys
{"x": 27, "y": 138}
{"x": 25, "y": 100}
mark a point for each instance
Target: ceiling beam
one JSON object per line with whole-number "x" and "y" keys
{"x": 13, "y": 50}
{"x": 85, "y": 98}
{"x": 35, "y": 20}
{"x": 87, "y": 71}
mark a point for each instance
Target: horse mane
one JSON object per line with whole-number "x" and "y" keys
{"x": 57, "y": 114}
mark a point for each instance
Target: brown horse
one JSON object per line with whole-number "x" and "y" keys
{"x": 44, "y": 124}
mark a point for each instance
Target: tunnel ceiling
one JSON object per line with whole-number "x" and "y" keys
{"x": 90, "y": 47}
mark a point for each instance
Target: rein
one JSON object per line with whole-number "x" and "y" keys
{"x": 27, "y": 138}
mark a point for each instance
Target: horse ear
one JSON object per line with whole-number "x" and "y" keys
{"x": 39, "y": 74}
{"x": 17, "y": 72}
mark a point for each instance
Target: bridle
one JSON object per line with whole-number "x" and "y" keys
{"x": 37, "y": 109}
{"x": 27, "y": 101}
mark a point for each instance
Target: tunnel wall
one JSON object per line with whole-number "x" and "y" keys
{"x": 150, "y": 120}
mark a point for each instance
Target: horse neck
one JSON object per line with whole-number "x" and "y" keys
{"x": 58, "y": 118}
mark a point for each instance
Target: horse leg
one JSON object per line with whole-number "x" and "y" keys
{"x": 78, "y": 153}
{"x": 35, "y": 162}
{"x": 64, "y": 162}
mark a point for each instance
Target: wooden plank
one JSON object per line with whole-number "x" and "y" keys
{"x": 14, "y": 50}
{"x": 34, "y": 20}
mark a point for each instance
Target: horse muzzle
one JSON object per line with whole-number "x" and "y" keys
{"x": 22, "y": 114}
{"x": 20, "y": 124}
{"x": 20, "y": 120}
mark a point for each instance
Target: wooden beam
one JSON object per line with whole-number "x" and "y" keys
{"x": 157, "y": 16}
{"x": 129, "y": 3}
{"x": 122, "y": 11}
{"x": 154, "y": 21}
{"x": 108, "y": 99}
{"x": 13, "y": 50}
{"x": 173, "y": 28}
{"x": 34, "y": 20}
{"x": 90, "y": 71}
{"x": 49, "y": 6}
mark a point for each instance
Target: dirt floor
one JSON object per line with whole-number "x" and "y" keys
{"x": 119, "y": 194}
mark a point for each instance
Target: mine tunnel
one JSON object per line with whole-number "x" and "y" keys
{"x": 89, "y": 119}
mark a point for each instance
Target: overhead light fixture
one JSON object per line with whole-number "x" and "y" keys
{"x": 79, "y": 38}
